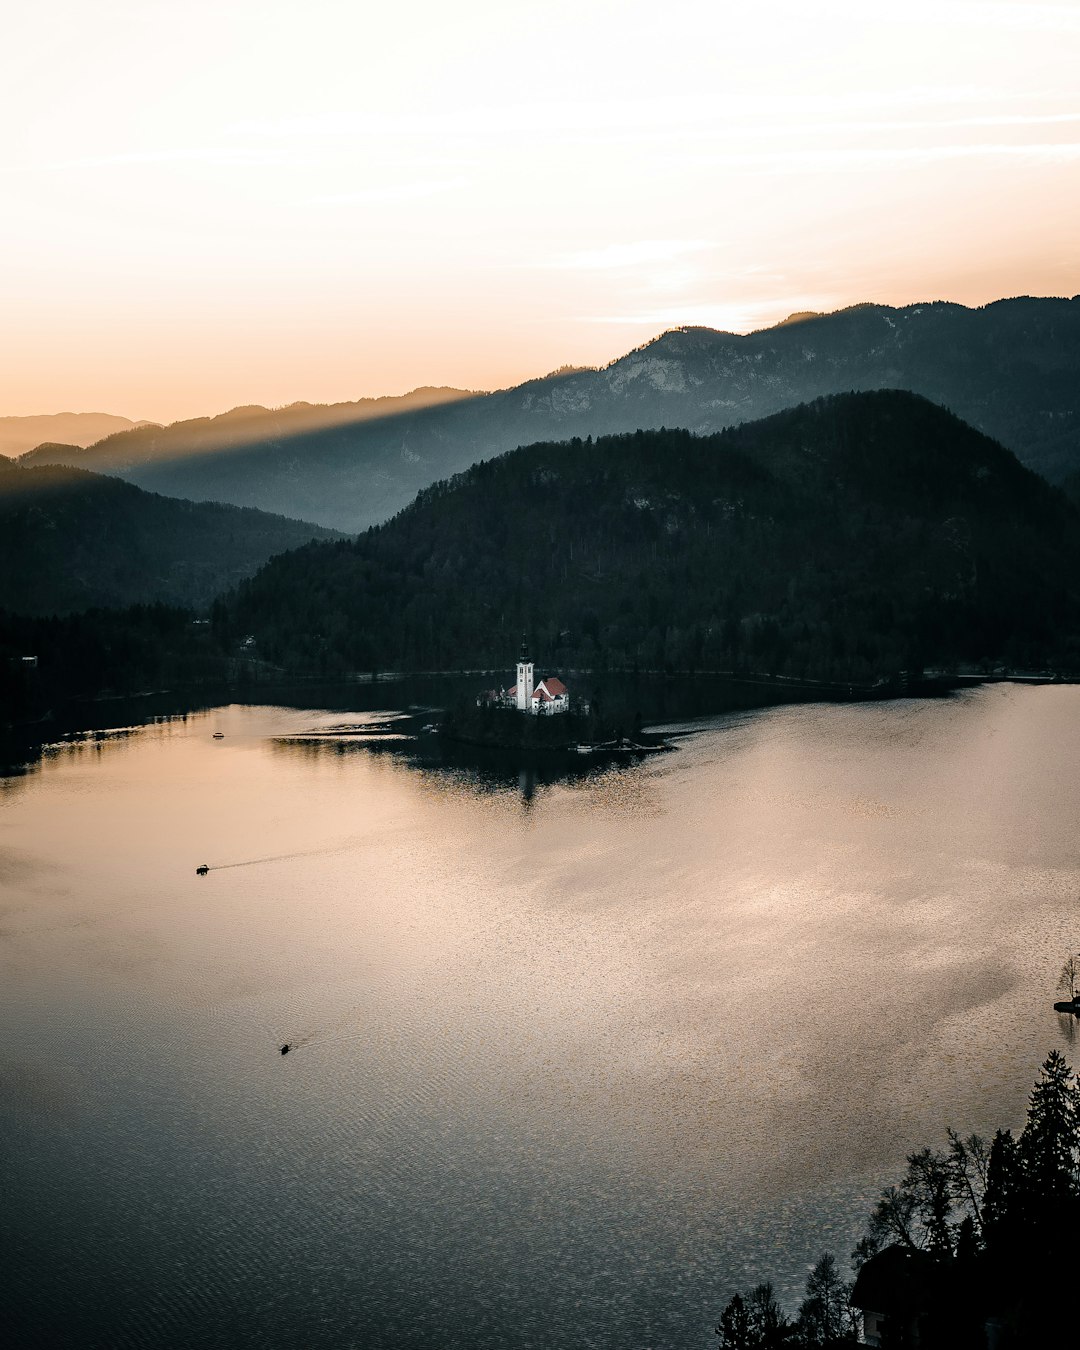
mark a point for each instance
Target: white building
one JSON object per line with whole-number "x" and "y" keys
{"x": 549, "y": 696}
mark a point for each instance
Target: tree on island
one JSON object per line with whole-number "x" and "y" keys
{"x": 1070, "y": 976}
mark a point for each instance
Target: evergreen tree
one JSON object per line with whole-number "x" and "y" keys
{"x": 1047, "y": 1152}
{"x": 1002, "y": 1185}
{"x": 734, "y": 1328}
{"x": 1048, "y": 1143}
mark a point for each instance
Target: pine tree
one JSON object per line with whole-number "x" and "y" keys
{"x": 1002, "y": 1186}
{"x": 1047, "y": 1151}
{"x": 734, "y": 1329}
{"x": 1048, "y": 1143}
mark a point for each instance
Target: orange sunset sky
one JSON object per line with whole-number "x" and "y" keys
{"x": 225, "y": 202}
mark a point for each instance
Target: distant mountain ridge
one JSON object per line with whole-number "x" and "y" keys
{"x": 845, "y": 539}
{"x": 72, "y": 540}
{"x": 150, "y": 446}
{"x": 1011, "y": 369}
{"x": 19, "y": 434}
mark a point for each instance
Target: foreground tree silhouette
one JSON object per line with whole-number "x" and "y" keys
{"x": 968, "y": 1161}
{"x": 917, "y": 1213}
{"x": 734, "y": 1328}
{"x": 972, "y": 1236}
{"x": 767, "y": 1320}
{"x": 825, "y": 1314}
{"x": 755, "y": 1322}
{"x": 1031, "y": 1212}
{"x": 1002, "y": 1188}
{"x": 1048, "y": 1146}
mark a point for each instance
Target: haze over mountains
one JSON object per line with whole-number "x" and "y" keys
{"x": 71, "y": 540}
{"x": 19, "y": 434}
{"x": 846, "y": 539}
{"x": 1011, "y": 369}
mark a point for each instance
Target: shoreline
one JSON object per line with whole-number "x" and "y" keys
{"x": 718, "y": 692}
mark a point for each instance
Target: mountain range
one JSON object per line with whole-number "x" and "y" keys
{"x": 71, "y": 540}
{"x": 1011, "y": 369}
{"x": 847, "y": 539}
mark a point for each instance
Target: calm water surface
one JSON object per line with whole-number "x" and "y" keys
{"x": 573, "y": 1060}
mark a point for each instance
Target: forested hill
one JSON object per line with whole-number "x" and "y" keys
{"x": 71, "y": 540}
{"x": 848, "y": 538}
{"x": 1011, "y": 369}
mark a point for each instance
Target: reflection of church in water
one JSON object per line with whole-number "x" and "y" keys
{"x": 550, "y": 695}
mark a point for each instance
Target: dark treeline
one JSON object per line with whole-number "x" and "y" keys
{"x": 46, "y": 661}
{"x": 597, "y": 720}
{"x": 972, "y": 1249}
{"x": 845, "y": 540}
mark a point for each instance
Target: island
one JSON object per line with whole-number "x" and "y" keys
{"x": 544, "y": 717}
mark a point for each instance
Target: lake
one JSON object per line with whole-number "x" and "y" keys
{"x": 573, "y": 1059}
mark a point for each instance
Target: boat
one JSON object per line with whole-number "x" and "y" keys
{"x": 202, "y": 869}
{"x": 1072, "y": 1006}
{"x": 285, "y": 1048}
{"x": 219, "y": 735}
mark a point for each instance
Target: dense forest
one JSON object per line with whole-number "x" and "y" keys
{"x": 46, "y": 660}
{"x": 976, "y": 1235}
{"x": 847, "y": 539}
{"x": 72, "y": 540}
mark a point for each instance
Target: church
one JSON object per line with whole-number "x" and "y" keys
{"x": 550, "y": 695}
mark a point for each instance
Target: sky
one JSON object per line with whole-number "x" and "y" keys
{"x": 219, "y": 202}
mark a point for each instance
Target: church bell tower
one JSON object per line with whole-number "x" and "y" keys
{"x": 524, "y": 679}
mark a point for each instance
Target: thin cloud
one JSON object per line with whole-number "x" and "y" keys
{"x": 640, "y": 253}
{"x": 660, "y": 117}
{"x": 229, "y": 155}
{"x": 389, "y": 194}
{"x": 815, "y": 160}
{"x": 725, "y": 318}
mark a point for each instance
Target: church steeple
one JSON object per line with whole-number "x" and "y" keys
{"x": 524, "y": 678}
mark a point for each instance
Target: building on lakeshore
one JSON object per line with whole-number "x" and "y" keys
{"x": 550, "y": 695}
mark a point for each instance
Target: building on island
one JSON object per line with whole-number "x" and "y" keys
{"x": 550, "y": 695}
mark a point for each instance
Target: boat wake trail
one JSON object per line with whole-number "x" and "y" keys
{"x": 286, "y": 857}
{"x": 345, "y": 1028}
